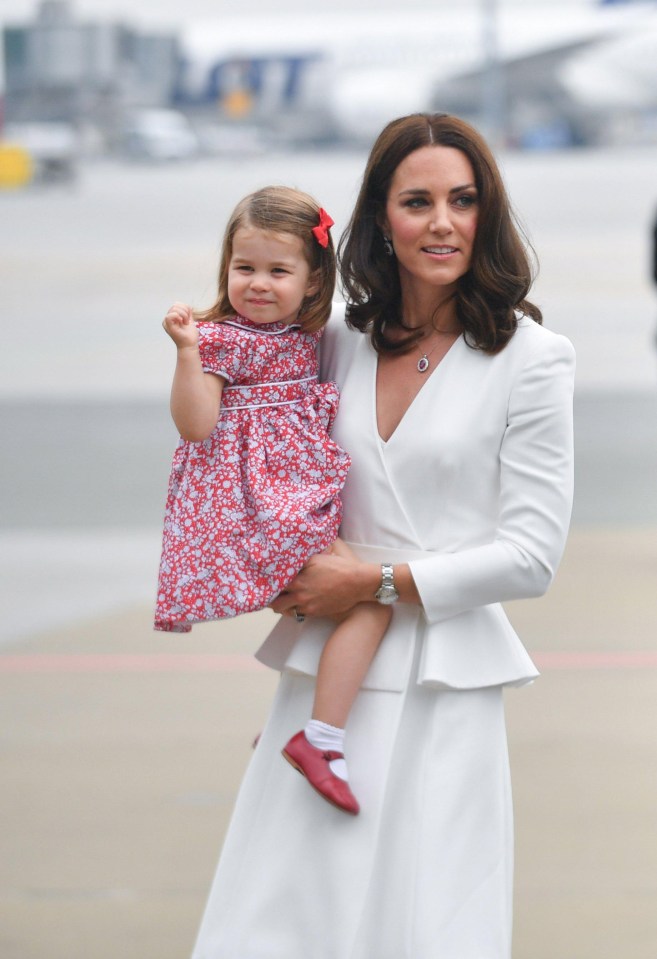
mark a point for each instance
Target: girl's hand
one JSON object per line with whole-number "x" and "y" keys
{"x": 180, "y": 324}
{"x": 329, "y": 585}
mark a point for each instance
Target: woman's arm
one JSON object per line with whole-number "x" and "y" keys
{"x": 195, "y": 394}
{"x": 330, "y": 584}
{"x": 536, "y": 487}
{"x": 536, "y": 490}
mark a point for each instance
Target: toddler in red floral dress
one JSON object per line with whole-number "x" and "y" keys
{"x": 255, "y": 482}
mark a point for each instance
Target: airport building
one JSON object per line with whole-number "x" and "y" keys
{"x": 88, "y": 74}
{"x": 527, "y": 81}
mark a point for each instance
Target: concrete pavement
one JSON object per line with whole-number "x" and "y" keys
{"x": 122, "y": 751}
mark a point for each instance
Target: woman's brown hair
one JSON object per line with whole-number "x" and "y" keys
{"x": 494, "y": 289}
{"x": 281, "y": 209}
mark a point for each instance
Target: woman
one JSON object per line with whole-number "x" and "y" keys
{"x": 457, "y": 410}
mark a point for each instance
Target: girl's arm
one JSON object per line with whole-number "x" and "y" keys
{"x": 195, "y": 394}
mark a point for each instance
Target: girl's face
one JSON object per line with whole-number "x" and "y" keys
{"x": 431, "y": 217}
{"x": 268, "y": 275}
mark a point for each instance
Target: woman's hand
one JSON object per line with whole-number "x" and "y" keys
{"x": 180, "y": 324}
{"x": 329, "y": 585}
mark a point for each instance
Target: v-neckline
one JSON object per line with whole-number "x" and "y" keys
{"x": 427, "y": 379}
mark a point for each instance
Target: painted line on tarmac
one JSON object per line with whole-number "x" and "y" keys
{"x": 242, "y": 663}
{"x": 625, "y": 659}
{"x": 129, "y": 663}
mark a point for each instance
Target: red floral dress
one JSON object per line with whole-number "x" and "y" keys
{"x": 248, "y": 506}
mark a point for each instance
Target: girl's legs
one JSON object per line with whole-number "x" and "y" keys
{"x": 347, "y": 656}
{"x": 344, "y": 663}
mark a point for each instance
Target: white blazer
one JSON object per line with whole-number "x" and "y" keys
{"x": 473, "y": 490}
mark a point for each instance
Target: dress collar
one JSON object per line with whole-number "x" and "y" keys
{"x": 271, "y": 329}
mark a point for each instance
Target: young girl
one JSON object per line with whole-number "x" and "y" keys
{"x": 255, "y": 482}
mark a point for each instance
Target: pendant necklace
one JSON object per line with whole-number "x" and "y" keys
{"x": 423, "y": 363}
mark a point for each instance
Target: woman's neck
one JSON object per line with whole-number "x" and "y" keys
{"x": 430, "y": 312}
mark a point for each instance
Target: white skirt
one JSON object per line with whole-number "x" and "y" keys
{"x": 424, "y": 872}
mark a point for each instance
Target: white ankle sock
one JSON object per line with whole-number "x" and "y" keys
{"x": 322, "y": 736}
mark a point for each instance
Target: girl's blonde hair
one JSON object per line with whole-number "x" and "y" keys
{"x": 281, "y": 209}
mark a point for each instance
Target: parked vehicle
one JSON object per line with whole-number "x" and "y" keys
{"x": 52, "y": 147}
{"x": 161, "y": 135}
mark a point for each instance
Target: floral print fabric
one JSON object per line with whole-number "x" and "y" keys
{"x": 247, "y": 507}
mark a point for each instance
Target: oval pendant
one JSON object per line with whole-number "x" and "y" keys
{"x": 423, "y": 364}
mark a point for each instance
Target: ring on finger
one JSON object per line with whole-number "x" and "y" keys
{"x": 297, "y": 615}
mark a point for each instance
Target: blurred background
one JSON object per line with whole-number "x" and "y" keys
{"x": 127, "y": 134}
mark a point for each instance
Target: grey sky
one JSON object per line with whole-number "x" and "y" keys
{"x": 168, "y": 12}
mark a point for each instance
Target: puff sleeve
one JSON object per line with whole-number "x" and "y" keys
{"x": 222, "y": 350}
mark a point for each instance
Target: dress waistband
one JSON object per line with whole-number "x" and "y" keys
{"x": 265, "y": 394}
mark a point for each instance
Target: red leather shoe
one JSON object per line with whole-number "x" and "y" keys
{"x": 314, "y": 765}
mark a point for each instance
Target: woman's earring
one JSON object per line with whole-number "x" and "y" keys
{"x": 387, "y": 245}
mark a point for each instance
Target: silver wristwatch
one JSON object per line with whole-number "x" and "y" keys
{"x": 386, "y": 593}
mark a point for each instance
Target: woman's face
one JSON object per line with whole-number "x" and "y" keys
{"x": 431, "y": 217}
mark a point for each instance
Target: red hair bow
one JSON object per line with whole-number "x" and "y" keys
{"x": 321, "y": 231}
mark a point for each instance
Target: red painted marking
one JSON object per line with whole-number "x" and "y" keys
{"x": 128, "y": 663}
{"x": 625, "y": 659}
{"x": 243, "y": 663}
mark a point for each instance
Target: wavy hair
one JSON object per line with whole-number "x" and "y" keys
{"x": 281, "y": 209}
{"x": 494, "y": 289}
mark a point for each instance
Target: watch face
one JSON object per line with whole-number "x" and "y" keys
{"x": 386, "y": 595}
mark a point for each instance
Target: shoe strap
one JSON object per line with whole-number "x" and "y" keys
{"x": 329, "y": 755}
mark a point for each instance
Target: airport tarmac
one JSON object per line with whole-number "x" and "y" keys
{"x": 87, "y": 272}
{"x": 122, "y": 750}
{"x": 122, "y": 753}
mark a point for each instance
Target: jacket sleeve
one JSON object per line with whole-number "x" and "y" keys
{"x": 536, "y": 490}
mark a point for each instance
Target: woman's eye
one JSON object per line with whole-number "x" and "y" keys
{"x": 465, "y": 201}
{"x": 415, "y": 202}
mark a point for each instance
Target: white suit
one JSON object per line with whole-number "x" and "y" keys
{"x": 474, "y": 490}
